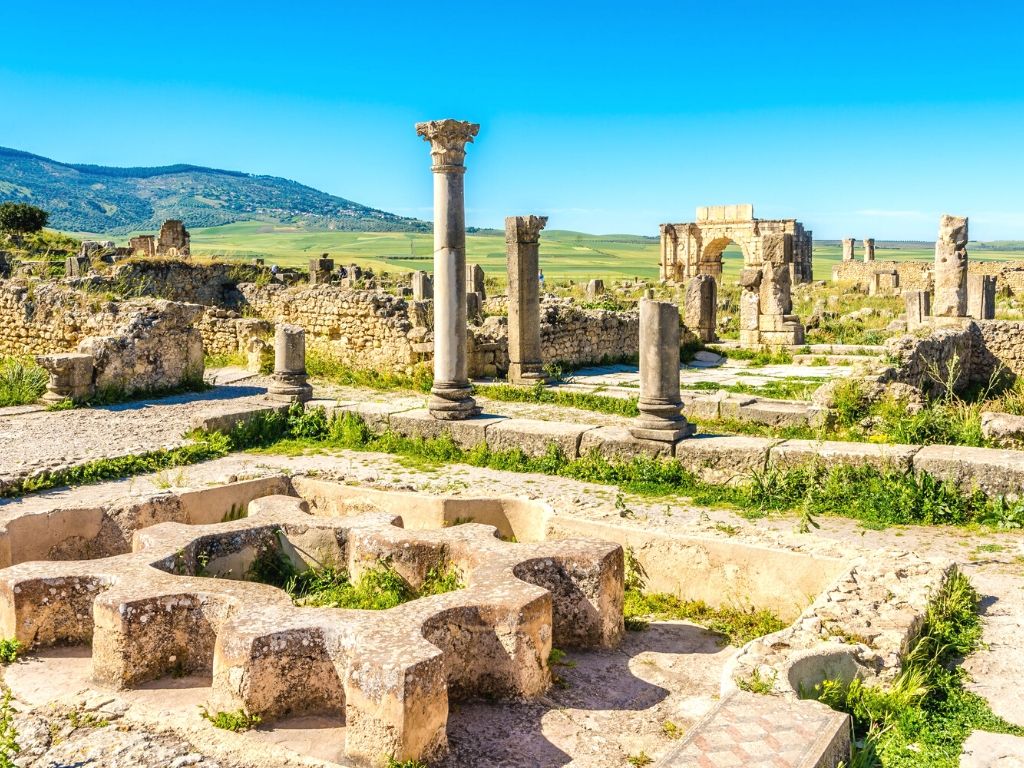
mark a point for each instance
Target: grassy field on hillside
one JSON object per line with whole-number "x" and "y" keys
{"x": 564, "y": 255}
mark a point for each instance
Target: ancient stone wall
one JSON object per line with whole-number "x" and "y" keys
{"x": 177, "y": 280}
{"x": 918, "y": 275}
{"x": 997, "y": 344}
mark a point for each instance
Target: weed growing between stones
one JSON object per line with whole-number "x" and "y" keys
{"x": 10, "y": 648}
{"x": 737, "y": 626}
{"x": 758, "y": 683}
{"x": 237, "y": 721}
{"x": 925, "y": 716}
{"x": 640, "y": 759}
{"x": 377, "y": 589}
{"x": 22, "y": 382}
{"x": 392, "y": 763}
{"x": 9, "y": 747}
{"x": 538, "y": 393}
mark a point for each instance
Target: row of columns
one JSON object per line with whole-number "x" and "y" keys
{"x": 869, "y": 249}
{"x": 659, "y": 403}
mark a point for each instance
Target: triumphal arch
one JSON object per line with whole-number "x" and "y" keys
{"x": 695, "y": 248}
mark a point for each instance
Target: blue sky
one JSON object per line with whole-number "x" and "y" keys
{"x": 862, "y": 119}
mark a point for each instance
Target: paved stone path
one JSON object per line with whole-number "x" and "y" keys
{"x": 37, "y": 440}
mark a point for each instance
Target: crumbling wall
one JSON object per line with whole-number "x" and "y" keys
{"x": 928, "y": 362}
{"x": 998, "y": 345}
{"x": 213, "y": 285}
{"x": 919, "y": 275}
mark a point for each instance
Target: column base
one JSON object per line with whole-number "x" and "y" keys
{"x": 668, "y": 432}
{"x": 452, "y": 404}
{"x": 290, "y": 387}
{"x": 526, "y": 373}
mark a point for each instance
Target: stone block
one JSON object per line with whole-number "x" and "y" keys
{"x": 981, "y": 297}
{"x": 533, "y": 436}
{"x": 701, "y": 307}
{"x": 797, "y": 453}
{"x": 992, "y": 750}
{"x": 724, "y": 458}
{"x": 1002, "y": 428}
{"x": 71, "y": 376}
{"x": 995, "y": 471}
{"x": 778, "y": 413}
{"x": 467, "y": 433}
{"x": 224, "y": 419}
{"x": 618, "y": 444}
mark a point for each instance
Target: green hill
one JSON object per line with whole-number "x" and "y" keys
{"x": 101, "y": 199}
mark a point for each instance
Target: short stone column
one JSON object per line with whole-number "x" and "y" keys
{"x": 701, "y": 307}
{"x": 451, "y": 397}
{"x": 76, "y": 266}
{"x": 750, "y": 307}
{"x": 869, "y": 249}
{"x": 848, "y": 249}
{"x": 951, "y": 267}
{"x": 70, "y": 376}
{"x": 289, "y": 380}
{"x": 522, "y": 247}
{"x": 320, "y": 270}
{"x": 595, "y": 288}
{"x": 422, "y": 286}
{"x": 981, "y": 297}
{"x": 475, "y": 281}
{"x": 918, "y": 308}
{"x": 661, "y": 415}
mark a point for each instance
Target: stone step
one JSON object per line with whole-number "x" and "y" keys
{"x": 754, "y": 731}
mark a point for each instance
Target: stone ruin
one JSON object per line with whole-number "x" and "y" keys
{"x": 178, "y": 603}
{"x": 766, "y": 304}
{"x": 522, "y": 245}
{"x": 695, "y": 248}
{"x": 148, "y": 347}
{"x": 173, "y": 241}
{"x": 701, "y": 307}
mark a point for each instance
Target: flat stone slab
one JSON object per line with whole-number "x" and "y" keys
{"x": 724, "y": 458}
{"x": 377, "y": 415}
{"x": 533, "y": 436}
{"x": 992, "y": 750}
{"x": 755, "y": 731}
{"x": 227, "y": 417}
{"x": 467, "y": 433}
{"x": 617, "y": 444}
{"x": 996, "y": 472}
{"x": 796, "y": 453}
{"x": 779, "y": 413}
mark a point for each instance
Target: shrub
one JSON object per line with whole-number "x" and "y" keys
{"x": 22, "y": 217}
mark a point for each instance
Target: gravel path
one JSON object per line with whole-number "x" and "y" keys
{"x": 45, "y": 440}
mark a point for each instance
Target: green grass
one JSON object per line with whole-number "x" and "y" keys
{"x": 377, "y": 588}
{"x": 876, "y": 497}
{"x": 925, "y": 716}
{"x": 538, "y": 393}
{"x": 10, "y": 648}
{"x": 22, "y": 381}
{"x": 237, "y": 721}
{"x": 736, "y": 625}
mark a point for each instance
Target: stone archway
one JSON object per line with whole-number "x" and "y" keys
{"x": 695, "y": 248}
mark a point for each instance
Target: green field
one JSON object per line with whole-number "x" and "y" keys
{"x": 564, "y": 255}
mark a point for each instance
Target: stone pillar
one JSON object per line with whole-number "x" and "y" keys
{"x": 76, "y": 266}
{"x": 661, "y": 416}
{"x": 522, "y": 246}
{"x": 981, "y": 297}
{"x": 71, "y": 376}
{"x": 289, "y": 379}
{"x": 422, "y": 286}
{"x": 847, "y": 249}
{"x": 951, "y": 267}
{"x": 869, "y": 249}
{"x": 475, "y": 280}
{"x": 750, "y": 307}
{"x": 701, "y": 305}
{"x": 918, "y": 308}
{"x": 451, "y": 397}
{"x": 595, "y": 288}
{"x": 320, "y": 270}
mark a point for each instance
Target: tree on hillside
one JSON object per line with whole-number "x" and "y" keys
{"x": 22, "y": 217}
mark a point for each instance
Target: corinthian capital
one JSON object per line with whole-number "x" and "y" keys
{"x": 448, "y": 139}
{"x": 524, "y": 229}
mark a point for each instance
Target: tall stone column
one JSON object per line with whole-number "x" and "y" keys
{"x": 522, "y": 245}
{"x": 951, "y": 267}
{"x": 847, "y": 249}
{"x": 450, "y": 398}
{"x": 661, "y": 415}
{"x": 869, "y": 249}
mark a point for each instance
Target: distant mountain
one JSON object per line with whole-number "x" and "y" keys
{"x": 96, "y": 198}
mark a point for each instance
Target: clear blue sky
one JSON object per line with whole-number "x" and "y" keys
{"x": 863, "y": 119}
